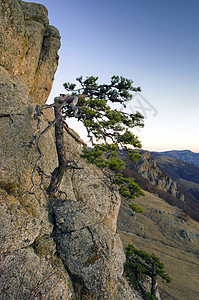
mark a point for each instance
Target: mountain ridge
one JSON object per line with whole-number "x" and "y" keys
{"x": 184, "y": 155}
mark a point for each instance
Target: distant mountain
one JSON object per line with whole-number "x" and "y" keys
{"x": 184, "y": 155}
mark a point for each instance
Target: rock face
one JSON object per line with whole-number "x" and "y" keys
{"x": 65, "y": 246}
{"x": 190, "y": 236}
{"x": 28, "y": 46}
{"x": 148, "y": 168}
{"x": 186, "y": 174}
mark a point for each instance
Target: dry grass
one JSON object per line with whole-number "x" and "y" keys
{"x": 158, "y": 230}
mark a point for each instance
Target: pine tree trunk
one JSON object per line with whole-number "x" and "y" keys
{"x": 59, "y": 172}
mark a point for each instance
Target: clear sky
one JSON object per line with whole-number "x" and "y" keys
{"x": 153, "y": 42}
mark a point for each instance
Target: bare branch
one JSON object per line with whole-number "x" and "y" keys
{"x": 74, "y": 135}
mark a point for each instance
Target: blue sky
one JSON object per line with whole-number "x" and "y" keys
{"x": 153, "y": 42}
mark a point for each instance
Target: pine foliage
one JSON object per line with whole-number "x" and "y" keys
{"x": 111, "y": 128}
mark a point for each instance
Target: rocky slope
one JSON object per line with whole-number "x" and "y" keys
{"x": 65, "y": 246}
{"x": 184, "y": 173}
{"x": 162, "y": 229}
{"x": 148, "y": 168}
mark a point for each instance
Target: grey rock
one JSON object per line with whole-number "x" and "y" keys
{"x": 24, "y": 275}
{"x": 148, "y": 168}
{"x": 190, "y": 236}
{"x": 29, "y": 46}
{"x": 35, "y": 12}
{"x": 85, "y": 231}
{"x": 158, "y": 211}
{"x": 96, "y": 255}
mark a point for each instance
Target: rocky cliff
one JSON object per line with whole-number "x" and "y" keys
{"x": 148, "y": 168}
{"x": 65, "y": 246}
{"x": 186, "y": 174}
{"x": 28, "y": 46}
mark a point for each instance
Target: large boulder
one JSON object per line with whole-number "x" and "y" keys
{"x": 29, "y": 45}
